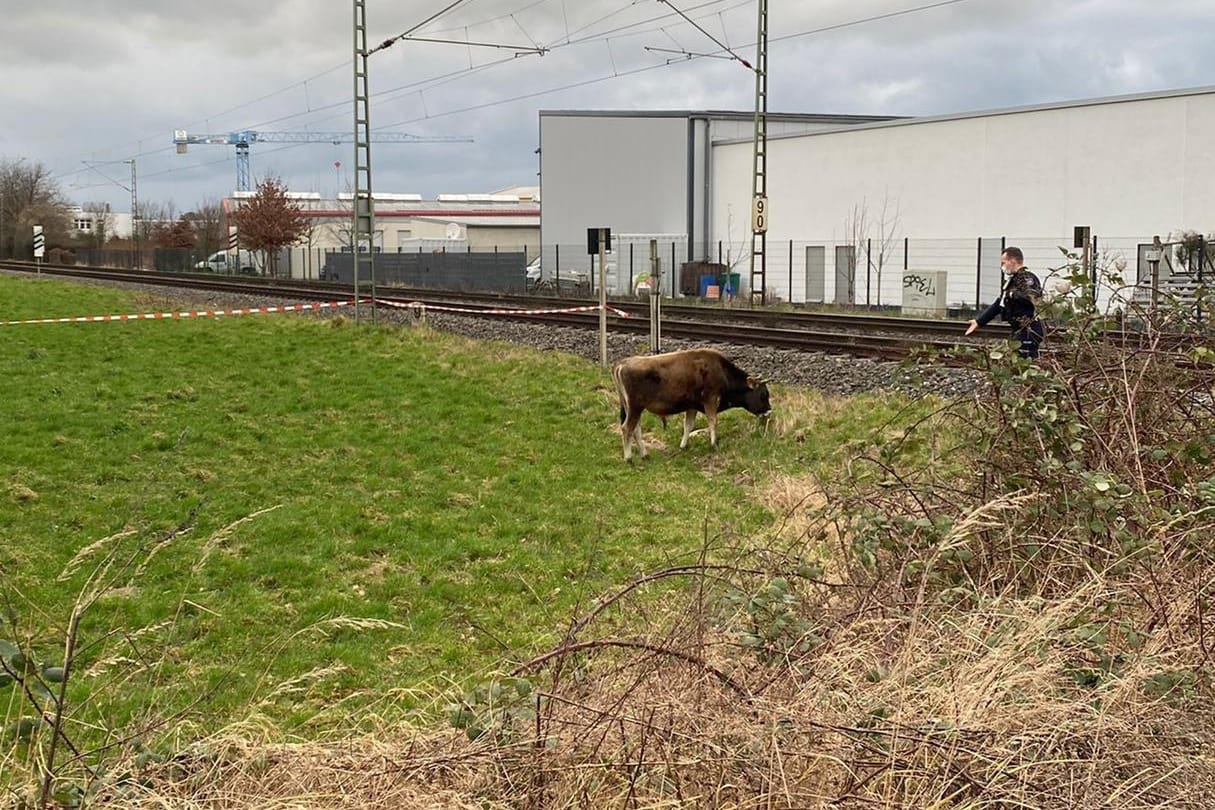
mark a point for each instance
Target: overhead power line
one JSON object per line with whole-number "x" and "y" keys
{"x": 875, "y": 18}
{"x": 646, "y": 68}
{"x": 716, "y": 41}
{"x": 388, "y": 43}
{"x": 435, "y": 81}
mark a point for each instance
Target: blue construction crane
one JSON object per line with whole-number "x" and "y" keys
{"x": 242, "y": 140}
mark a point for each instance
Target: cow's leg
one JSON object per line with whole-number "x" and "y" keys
{"x": 689, "y": 421}
{"x": 711, "y": 416}
{"x": 623, "y": 394}
{"x": 630, "y": 432}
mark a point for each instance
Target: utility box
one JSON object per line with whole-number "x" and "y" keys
{"x": 924, "y": 292}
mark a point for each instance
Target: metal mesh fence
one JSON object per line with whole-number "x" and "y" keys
{"x": 942, "y": 276}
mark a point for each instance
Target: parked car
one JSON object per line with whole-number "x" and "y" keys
{"x": 531, "y": 276}
{"x": 242, "y": 262}
{"x": 570, "y": 281}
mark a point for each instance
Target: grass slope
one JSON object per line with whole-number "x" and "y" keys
{"x": 422, "y": 504}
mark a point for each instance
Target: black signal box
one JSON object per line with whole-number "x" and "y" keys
{"x": 592, "y": 240}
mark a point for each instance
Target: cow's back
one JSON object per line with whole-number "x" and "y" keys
{"x": 673, "y": 382}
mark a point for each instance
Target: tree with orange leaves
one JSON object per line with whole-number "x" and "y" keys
{"x": 268, "y": 222}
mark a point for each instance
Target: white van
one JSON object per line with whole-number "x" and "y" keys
{"x": 242, "y": 262}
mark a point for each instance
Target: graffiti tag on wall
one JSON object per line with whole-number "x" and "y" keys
{"x": 923, "y": 285}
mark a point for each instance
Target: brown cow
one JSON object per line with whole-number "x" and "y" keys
{"x": 684, "y": 382}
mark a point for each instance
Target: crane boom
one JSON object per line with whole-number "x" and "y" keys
{"x": 244, "y": 138}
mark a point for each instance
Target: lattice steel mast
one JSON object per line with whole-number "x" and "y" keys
{"x": 759, "y": 197}
{"x": 363, "y": 232}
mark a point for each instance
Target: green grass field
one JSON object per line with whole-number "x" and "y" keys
{"x": 425, "y": 506}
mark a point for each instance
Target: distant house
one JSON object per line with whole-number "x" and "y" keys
{"x": 98, "y": 220}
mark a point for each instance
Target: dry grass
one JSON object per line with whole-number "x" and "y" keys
{"x": 795, "y": 500}
{"x": 898, "y": 639}
{"x": 908, "y": 702}
{"x": 410, "y": 772}
{"x": 785, "y": 672}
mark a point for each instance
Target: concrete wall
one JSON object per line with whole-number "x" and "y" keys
{"x": 1128, "y": 168}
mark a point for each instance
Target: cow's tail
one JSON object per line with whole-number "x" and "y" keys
{"x": 617, "y": 377}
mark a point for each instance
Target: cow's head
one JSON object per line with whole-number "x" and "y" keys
{"x": 755, "y": 399}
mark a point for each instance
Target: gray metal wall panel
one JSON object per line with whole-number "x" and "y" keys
{"x": 489, "y": 272}
{"x": 816, "y": 274}
{"x": 628, "y": 174}
{"x": 845, "y": 274}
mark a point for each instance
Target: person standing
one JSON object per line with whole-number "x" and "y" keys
{"x": 1018, "y": 304}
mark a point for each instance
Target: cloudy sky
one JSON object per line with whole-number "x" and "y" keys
{"x": 87, "y": 85}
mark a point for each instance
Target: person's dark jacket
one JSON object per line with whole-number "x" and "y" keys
{"x": 1018, "y": 301}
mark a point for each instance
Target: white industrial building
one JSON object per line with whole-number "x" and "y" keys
{"x": 644, "y": 174}
{"x": 938, "y": 194}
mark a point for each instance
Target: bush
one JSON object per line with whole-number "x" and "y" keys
{"x": 1006, "y": 604}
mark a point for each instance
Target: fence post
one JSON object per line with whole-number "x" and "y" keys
{"x": 557, "y": 261}
{"x": 1093, "y": 267}
{"x": 790, "y": 271}
{"x": 719, "y": 252}
{"x": 630, "y": 267}
{"x": 674, "y": 282}
{"x": 978, "y": 273}
{"x": 868, "y": 270}
{"x": 655, "y": 299}
{"x": 1202, "y": 260}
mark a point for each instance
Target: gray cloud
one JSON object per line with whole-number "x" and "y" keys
{"x": 112, "y": 79}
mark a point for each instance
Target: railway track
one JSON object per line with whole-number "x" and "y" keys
{"x": 878, "y": 337}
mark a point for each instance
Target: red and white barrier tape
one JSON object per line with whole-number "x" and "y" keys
{"x": 419, "y": 306}
{"x": 416, "y": 306}
{"x": 202, "y": 313}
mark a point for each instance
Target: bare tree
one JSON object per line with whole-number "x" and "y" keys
{"x": 178, "y": 234}
{"x": 876, "y": 240}
{"x": 29, "y": 196}
{"x": 341, "y": 230}
{"x": 208, "y": 221}
{"x": 856, "y": 237}
{"x": 307, "y": 240}
{"x": 268, "y": 222}
{"x": 151, "y": 218}
{"x": 887, "y": 227}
